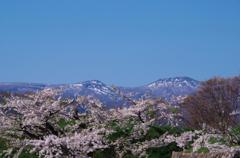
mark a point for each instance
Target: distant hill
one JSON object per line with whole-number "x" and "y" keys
{"x": 173, "y": 90}
{"x": 21, "y": 87}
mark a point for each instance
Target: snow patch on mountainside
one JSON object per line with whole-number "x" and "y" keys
{"x": 174, "y": 82}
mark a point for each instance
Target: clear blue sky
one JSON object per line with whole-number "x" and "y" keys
{"x": 127, "y": 42}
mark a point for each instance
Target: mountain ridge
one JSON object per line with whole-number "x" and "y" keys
{"x": 171, "y": 89}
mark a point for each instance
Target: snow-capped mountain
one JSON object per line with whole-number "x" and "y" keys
{"x": 172, "y": 90}
{"x": 94, "y": 88}
{"x": 176, "y": 82}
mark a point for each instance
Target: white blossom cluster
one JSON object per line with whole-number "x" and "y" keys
{"x": 53, "y": 127}
{"x": 77, "y": 145}
{"x": 183, "y": 139}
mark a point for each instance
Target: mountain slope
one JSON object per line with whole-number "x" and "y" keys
{"x": 172, "y": 90}
{"x": 94, "y": 88}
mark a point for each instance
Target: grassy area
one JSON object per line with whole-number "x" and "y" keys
{"x": 120, "y": 130}
{"x": 62, "y": 123}
{"x": 203, "y": 150}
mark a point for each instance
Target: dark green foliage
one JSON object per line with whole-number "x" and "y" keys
{"x": 120, "y": 130}
{"x": 3, "y": 144}
{"x": 129, "y": 155}
{"x": 157, "y": 131}
{"x": 109, "y": 153}
{"x": 177, "y": 130}
{"x": 188, "y": 147}
{"x": 236, "y": 130}
{"x": 214, "y": 140}
{"x": 203, "y": 150}
{"x": 106, "y": 153}
{"x": 62, "y": 123}
{"x": 82, "y": 126}
{"x": 163, "y": 152}
{"x": 235, "y": 135}
{"x": 116, "y": 135}
{"x": 27, "y": 154}
{"x": 154, "y": 132}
